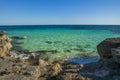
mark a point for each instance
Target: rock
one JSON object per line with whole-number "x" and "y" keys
{"x": 5, "y": 44}
{"x": 103, "y": 70}
{"x": 19, "y": 37}
{"x": 116, "y": 77}
{"x": 46, "y": 51}
{"x": 48, "y": 42}
{"x": 53, "y": 70}
{"x": 79, "y": 49}
{"x": 116, "y": 54}
{"x": 17, "y": 42}
{"x": 12, "y": 69}
{"x": 87, "y": 46}
{"x": 14, "y": 54}
{"x": 101, "y": 73}
{"x": 80, "y": 46}
{"x": 43, "y": 63}
{"x": 56, "y": 42}
{"x": 104, "y": 48}
{"x": 67, "y": 51}
{"x": 31, "y": 58}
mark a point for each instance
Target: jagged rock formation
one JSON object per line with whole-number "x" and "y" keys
{"x": 5, "y": 44}
{"x": 102, "y": 70}
{"x": 104, "y": 48}
{"x": 13, "y": 69}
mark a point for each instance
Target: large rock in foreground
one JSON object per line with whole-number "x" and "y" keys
{"x": 102, "y": 70}
{"x": 104, "y": 48}
{"x": 13, "y": 69}
{"x": 5, "y": 44}
{"x": 116, "y": 54}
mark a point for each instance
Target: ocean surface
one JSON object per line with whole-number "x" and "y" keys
{"x": 62, "y": 41}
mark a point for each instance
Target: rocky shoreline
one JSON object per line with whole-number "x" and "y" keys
{"x": 21, "y": 65}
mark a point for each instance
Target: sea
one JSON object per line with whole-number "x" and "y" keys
{"x": 61, "y": 41}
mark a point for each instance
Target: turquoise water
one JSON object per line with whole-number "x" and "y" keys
{"x": 68, "y": 42}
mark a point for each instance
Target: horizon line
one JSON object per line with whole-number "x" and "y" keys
{"x": 57, "y": 24}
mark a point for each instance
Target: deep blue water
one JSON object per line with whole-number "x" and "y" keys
{"x": 76, "y": 27}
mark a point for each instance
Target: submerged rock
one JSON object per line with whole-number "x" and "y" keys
{"x": 87, "y": 45}
{"x": 69, "y": 51}
{"x": 79, "y": 49}
{"x": 17, "y": 42}
{"x": 46, "y": 51}
{"x": 80, "y": 46}
{"x": 56, "y": 42}
{"x": 48, "y": 42}
{"x": 5, "y": 44}
{"x": 19, "y": 37}
{"x": 104, "y": 48}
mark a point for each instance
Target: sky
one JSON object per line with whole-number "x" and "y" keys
{"x": 46, "y": 12}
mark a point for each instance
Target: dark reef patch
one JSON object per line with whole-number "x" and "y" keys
{"x": 19, "y": 37}
{"x": 67, "y": 51}
{"x": 115, "y": 31}
{"x": 48, "y": 42}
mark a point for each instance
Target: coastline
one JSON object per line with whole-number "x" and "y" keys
{"x": 24, "y": 65}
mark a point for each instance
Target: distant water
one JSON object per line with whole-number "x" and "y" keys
{"x": 66, "y": 41}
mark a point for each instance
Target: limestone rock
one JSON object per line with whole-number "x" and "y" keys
{"x": 5, "y": 44}
{"x": 43, "y": 63}
{"x": 104, "y": 48}
{"x": 54, "y": 69}
{"x": 31, "y": 58}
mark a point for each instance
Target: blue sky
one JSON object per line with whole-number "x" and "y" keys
{"x": 23, "y": 12}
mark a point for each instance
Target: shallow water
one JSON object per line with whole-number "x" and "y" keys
{"x": 67, "y": 41}
{"x": 83, "y": 60}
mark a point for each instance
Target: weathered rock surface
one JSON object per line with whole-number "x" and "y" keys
{"x": 5, "y": 44}
{"x": 13, "y": 69}
{"x": 28, "y": 58}
{"x": 104, "y": 48}
{"x": 102, "y": 70}
{"x": 116, "y": 54}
